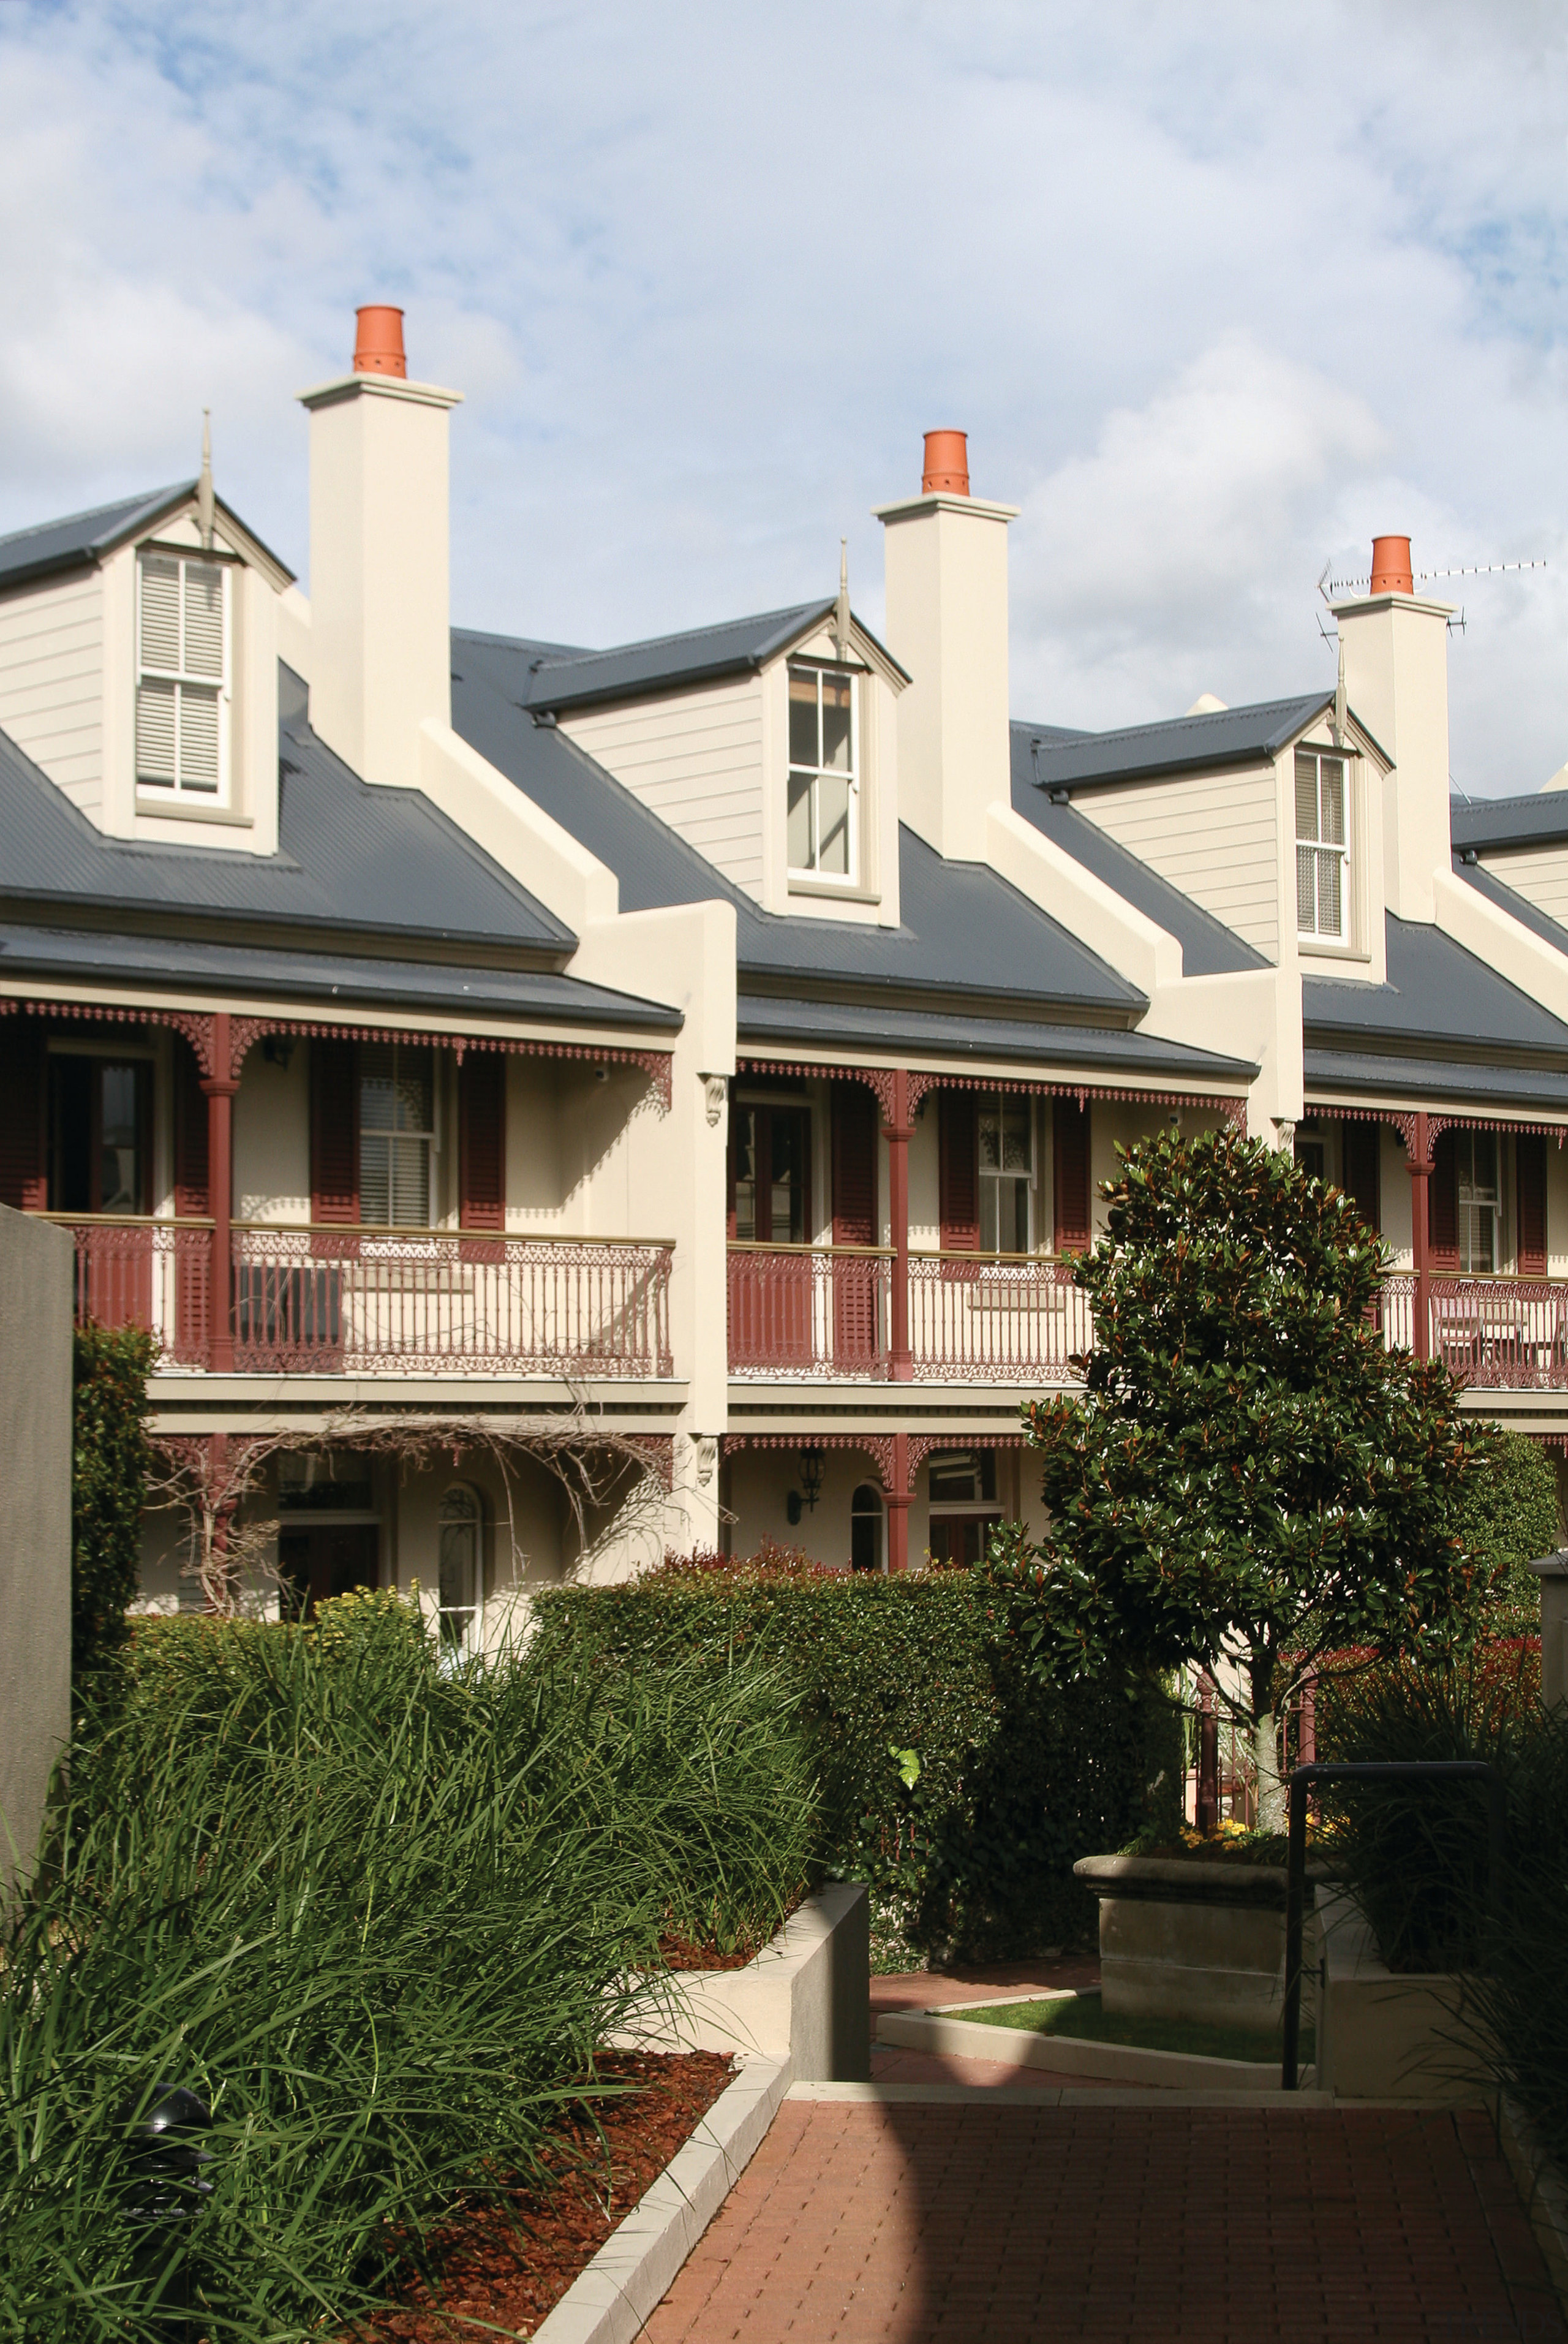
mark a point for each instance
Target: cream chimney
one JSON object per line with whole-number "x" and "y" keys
{"x": 1395, "y": 646}
{"x": 380, "y": 604}
{"x": 947, "y": 623}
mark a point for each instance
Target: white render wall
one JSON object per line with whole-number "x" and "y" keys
{"x": 52, "y": 681}
{"x": 695, "y": 760}
{"x": 1213, "y": 835}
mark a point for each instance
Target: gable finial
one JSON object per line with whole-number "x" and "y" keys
{"x": 841, "y": 615}
{"x": 204, "y": 486}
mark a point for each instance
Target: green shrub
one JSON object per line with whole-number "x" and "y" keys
{"x": 953, "y": 1784}
{"x": 109, "y": 1460}
{"x": 1506, "y": 1513}
{"x": 378, "y": 1915}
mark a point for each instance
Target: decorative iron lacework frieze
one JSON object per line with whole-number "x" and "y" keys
{"x": 1404, "y": 1121}
{"x": 917, "y": 1085}
{"x": 879, "y": 1446}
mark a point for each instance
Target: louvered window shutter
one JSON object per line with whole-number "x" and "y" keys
{"x": 192, "y": 1195}
{"x": 482, "y": 1139}
{"x": 23, "y": 1179}
{"x": 959, "y": 1171}
{"x": 1530, "y": 1151}
{"x": 1360, "y": 1146}
{"x": 334, "y": 1132}
{"x": 1442, "y": 1204}
{"x": 1070, "y": 1175}
{"x": 854, "y": 1165}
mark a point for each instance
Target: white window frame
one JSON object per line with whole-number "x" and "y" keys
{"x": 1320, "y": 848}
{"x": 1475, "y": 1205}
{"x": 428, "y": 1140}
{"x": 460, "y": 1628}
{"x": 813, "y": 870}
{"x": 999, "y": 1102}
{"x": 151, "y": 794}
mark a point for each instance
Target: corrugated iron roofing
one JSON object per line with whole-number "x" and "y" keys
{"x": 1436, "y": 991}
{"x": 765, "y": 1020}
{"x": 350, "y": 857}
{"x": 1539, "y": 820}
{"x": 192, "y": 964}
{"x": 1225, "y": 736}
{"x": 702, "y": 654}
{"x": 1209, "y": 948}
{"x": 59, "y": 544}
{"x": 1492, "y": 1088}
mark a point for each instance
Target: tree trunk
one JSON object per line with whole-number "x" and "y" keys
{"x": 1265, "y": 1746}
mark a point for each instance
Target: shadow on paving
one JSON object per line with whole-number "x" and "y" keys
{"x": 980, "y": 2224}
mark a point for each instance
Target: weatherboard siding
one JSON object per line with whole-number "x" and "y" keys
{"x": 1212, "y": 835}
{"x": 695, "y": 758}
{"x": 52, "y": 682}
{"x": 1539, "y": 874}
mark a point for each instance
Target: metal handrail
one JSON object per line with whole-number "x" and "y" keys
{"x": 1001, "y": 1260}
{"x": 1388, "y": 1770}
{"x": 128, "y": 1220}
{"x": 766, "y": 1245}
{"x": 430, "y": 1229}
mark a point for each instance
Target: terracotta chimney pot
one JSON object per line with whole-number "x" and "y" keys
{"x": 1390, "y": 570}
{"x": 947, "y": 464}
{"x": 379, "y": 341}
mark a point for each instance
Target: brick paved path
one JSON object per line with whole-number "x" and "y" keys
{"x": 875, "y": 2224}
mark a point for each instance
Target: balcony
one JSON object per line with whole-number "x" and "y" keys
{"x": 336, "y": 1300}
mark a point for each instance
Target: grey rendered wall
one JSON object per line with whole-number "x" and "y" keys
{"x": 35, "y": 1271}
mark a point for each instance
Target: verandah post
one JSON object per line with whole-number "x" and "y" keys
{"x": 220, "y": 1087}
{"x": 1420, "y": 1179}
{"x": 900, "y": 1364}
{"x": 899, "y": 1506}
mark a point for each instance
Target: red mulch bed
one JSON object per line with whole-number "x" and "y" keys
{"x": 681, "y": 1953}
{"x": 507, "y": 2265}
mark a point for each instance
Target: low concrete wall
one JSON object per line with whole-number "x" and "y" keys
{"x": 1385, "y": 2035}
{"x": 1199, "y": 1941}
{"x": 804, "y": 2001}
{"x": 35, "y": 1311}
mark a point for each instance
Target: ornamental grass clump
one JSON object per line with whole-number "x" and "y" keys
{"x": 378, "y": 1918}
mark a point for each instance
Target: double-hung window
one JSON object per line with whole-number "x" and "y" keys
{"x": 396, "y": 1135}
{"x": 821, "y": 820}
{"x": 1006, "y": 1175}
{"x": 1480, "y": 1200}
{"x": 182, "y": 677}
{"x": 1321, "y": 804}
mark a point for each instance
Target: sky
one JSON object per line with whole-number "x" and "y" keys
{"x": 1217, "y": 293}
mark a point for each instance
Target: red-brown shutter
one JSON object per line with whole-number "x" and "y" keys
{"x": 191, "y": 1184}
{"x": 23, "y": 1178}
{"x": 1070, "y": 1175}
{"x": 959, "y": 1171}
{"x": 482, "y": 1140}
{"x": 1360, "y": 1145}
{"x": 1442, "y": 1204}
{"x": 1530, "y": 1150}
{"x": 854, "y": 1111}
{"x": 334, "y": 1132}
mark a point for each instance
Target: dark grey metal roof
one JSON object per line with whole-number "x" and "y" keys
{"x": 1436, "y": 991}
{"x": 384, "y": 861}
{"x": 763, "y": 1020}
{"x": 1225, "y": 736}
{"x": 1488, "y": 1087}
{"x": 963, "y": 928}
{"x": 192, "y": 964}
{"x": 738, "y": 647}
{"x": 84, "y": 536}
{"x": 1209, "y": 948}
{"x": 1539, "y": 820}
{"x": 1508, "y": 899}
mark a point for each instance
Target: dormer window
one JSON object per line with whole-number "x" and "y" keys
{"x": 182, "y": 678}
{"x": 823, "y": 822}
{"x": 1322, "y": 896}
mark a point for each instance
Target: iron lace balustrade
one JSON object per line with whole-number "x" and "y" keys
{"x": 134, "y": 1271}
{"x": 808, "y": 1310}
{"x": 372, "y": 1301}
{"x": 1007, "y": 1317}
{"x": 1500, "y": 1332}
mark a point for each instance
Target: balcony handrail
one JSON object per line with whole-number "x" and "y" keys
{"x": 429, "y": 1229}
{"x": 766, "y": 1245}
{"x": 127, "y": 1220}
{"x": 1004, "y": 1261}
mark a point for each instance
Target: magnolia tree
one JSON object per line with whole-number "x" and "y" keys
{"x": 1251, "y": 1479}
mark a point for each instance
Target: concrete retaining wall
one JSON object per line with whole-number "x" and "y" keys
{"x": 1385, "y": 2035}
{"x": 35, "y": 1311}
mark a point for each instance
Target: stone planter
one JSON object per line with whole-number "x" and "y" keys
{"x": 1199, "y": 1941}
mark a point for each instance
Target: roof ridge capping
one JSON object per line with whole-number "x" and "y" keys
{"x": 1257, "y": 730}
{"x": 691, "y": 655}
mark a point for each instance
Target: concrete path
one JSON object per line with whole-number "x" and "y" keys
{"x": 991, "y": 2214}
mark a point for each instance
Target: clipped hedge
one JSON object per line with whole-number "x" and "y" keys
{"x": 109, "y": 1459}
{"x": 961, "y": 1792}
{"x": 1507, "y": 1513}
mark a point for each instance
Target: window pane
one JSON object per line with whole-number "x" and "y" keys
{"x": 990, "y": 1139}
{"x": 1014, "y": 1233}
{"x": 1331, "y": 796}
{"x": 743, "y": 1126}
{"x": 374, "y": 1178}
{"x": 160, "y": 612}
{"x": 799, "y": 823}
{"x": 788, "y": 1141}
{"x": 414, "y": 1090}
{"x": 1015, "y": 1150}
{"x": 204, "y": 619}
{"x": 837, "y": 695}
{"x": 198, "y": 738}
{"x": 990, "y": 1240}
{"x": 1306, "y": 890}
{"x": 460, "y": 1575}
{"x": 410, "y": 1183}
{"x": 834, "y": 798}
{"x": 376, "y": 1091}
{"x": 803, "y": 717}
{"x": 1306, "y": 795}
{"x": 120, "y": 1170}
{"x": 156, "y": 733}
{"x": 1330, "y": 871}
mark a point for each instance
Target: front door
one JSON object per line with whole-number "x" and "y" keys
{"x": 325, "y": 1560}
{"x": 100, "y": 1165}
{"x": 771, "y": 1301}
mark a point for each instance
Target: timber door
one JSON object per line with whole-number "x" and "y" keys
{"x": 771, "y": 1293}
{"x": 100, "y": 1165}
{"x": 857, "y": 1300}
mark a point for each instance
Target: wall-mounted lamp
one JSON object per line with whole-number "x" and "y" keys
{"x": 277, "y": 1049}
{"x": 812, "y": 1463}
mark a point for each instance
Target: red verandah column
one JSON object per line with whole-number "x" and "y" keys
{"x": 1420, "y": 1154}
{"x": 220, "y": 1087}
{"x": 900, "y": 1365}
{"x": 898, "y": 1499}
